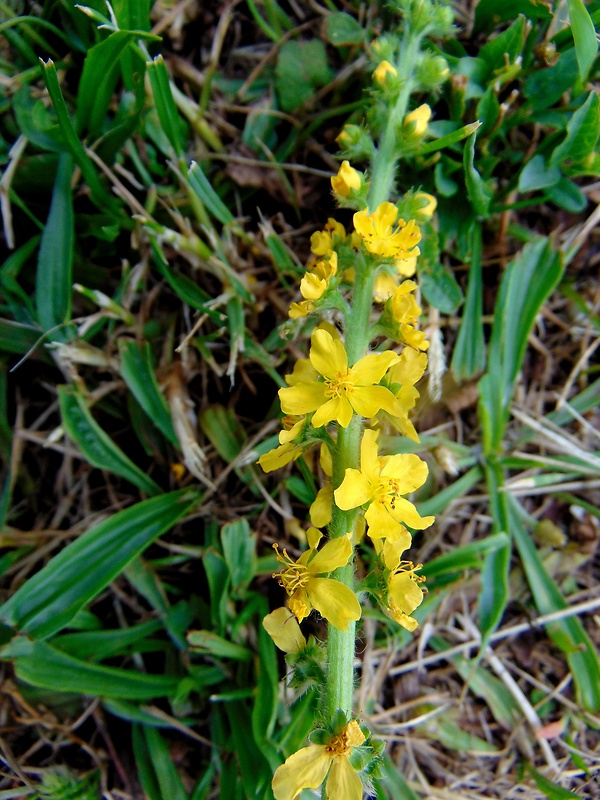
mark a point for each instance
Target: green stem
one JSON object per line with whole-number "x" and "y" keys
{"x": 388, "y": 153}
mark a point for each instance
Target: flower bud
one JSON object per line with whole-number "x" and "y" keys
{"x": 383, "y": 70}
{"x": 416, "y": 121}
{"x": 425, "y": 205}
{"x": 347, "y": 180}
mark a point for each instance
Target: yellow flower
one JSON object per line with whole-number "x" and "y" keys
{"x": 310, "y": 766}
{"x": 406, "y": 266}
{"x": 344, "y": 390}
{"x": 404, "y": 592}
{"x": 347, "y": 180}
{"x": 406, "y": 373}
{"x": 334, "y": 601}
{"x": 417, "y": 120}
{"x": 381, "y": 482}
{"x": 382, "y": 71}
{"x": 283, "y": 628}
{"x": 406, "y": 311}
{"x": 289, "y": 450}
{"x": 321, "y": 242}
{"x": 379, "y": 236}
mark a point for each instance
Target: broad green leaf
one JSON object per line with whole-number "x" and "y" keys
{"x": 342, "y": 29}
{"x": 507, "y": 45}
{"x": 546, "y": 86}
{"x": 440, "y": 288}
{"x": 139, "y": 375}
{"x": 582, "y": 133}
{"x": 477, "y": 191}
{"x": 568, "y": 634}
{"x": 54, "y": 275}
{"x": 301, "y": 69}
{"x": 41, "y": 665}
{"x": 166, "y": 109}
{"x": 49, "y": 600}
{"x": 536, "y": 175}
{"x": 99, "y": 645}
{"x": 469, "y": 352}
{"x": 95, "y": 445}
{"x": 584, "y": 36}
{"x": 239, "y": 549}
{"x": 566, "y": 194}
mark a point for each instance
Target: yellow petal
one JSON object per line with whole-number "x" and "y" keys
{"x": 408, "y": 470}
{"x": 279, "y": 457}
{"x": 300, "y": 604}
{"x": 343, "y": 782}
{"x": 303, "y": 372}
{"x": 302, "y": 398}
{"x": 327, "y": 355}
{"x": 368, "y": 400}
{"x": 320, "y": 511}
{"x": 312, "y": 287}
{"x": 382, "y": 524}
{"x": 405, "y": 592}
{"x": 371, "y": 369}
{"x": 410, "y": 368}
{"x": 305, "y": 769}
{"x": 338, "y": 408}
{"x": 335, "y": 602}
{"x": 282, "y": 627}
{"x": 385, "y": 285}
{"x": 333, "y": 555}
{"x": 384, "y": 68}
{"x": 403, "y": 619}
{"x": 369, "y": 459}
{"x": 393, "y": 549}
{"x": 326, "y": 460}
{"x": 385, "y": 214}
{"x": 313, "y": 537}
{"x": 406, "y": 512}
{"x": 407, "y": 266}
{"x": 354, "y": 490}
{"x": 362, "y": 223}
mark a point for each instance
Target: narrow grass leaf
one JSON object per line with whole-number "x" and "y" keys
{"x": 101, "y": 70}
{"x": 50, "y": 599}
{"x": 98, "y": 645}
{"x": 494, "y": 593}
{"x": 97, "y": 447}
{"x": 139, "y": 375}
{"x": 39, "y": 664}
{"x": 568, "y": 634}
{"x": 99, "y": 194}
{"x": 54, "y": 275}
{"x": 210, "y": 644}
{"x": 477, "y": 191}
{"x": 166, "y": 109}
{"x": 584, "y": 36}
{"x": 436, "y": 505}
{"x": 553, "y": 791}
{"x": 264, "y": 709}
{"x": 239, "y": 550}
{"x": 468, "y": 358}
{"x": 201, "y": 186}
{"x": 161, "y": 763}
{"x": 393, "y": 783}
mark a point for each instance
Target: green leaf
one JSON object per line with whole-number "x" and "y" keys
{"x": 41, "y": 665}
{"x": 158, "y": 774}
{"x": 440, "y": 288}
{"x": 477, "y": 191}
{"x": 99, "y": 645}
{"x": 489, "y": 13}
{"x": 301, "y": 69}
{"x": 166, "y": 109}
{"x": 584, "y": 36}
{"x": 342, "y": 29}
{"x": 201, "y": 186}
{"x": 95, "y": 445}
{"x": 582, "y": 133}
{"x": 138, "y": 373}
{"x": 536, "y": 175}
{"x": 469, "y": 352}
{"x": 568, "y": 195}
{"x": 568, "y": 634}
{"x": 239, "y": 549}
{"x": 209, "y": 643}
{"x": 545, "y": 87}
{"x": 50, "y": 599}
{"x": 450, "y": 138}
{"x": 507, "y": 45}
{"x": 54, "y": 275}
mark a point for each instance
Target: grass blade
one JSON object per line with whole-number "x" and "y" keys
{"x": 50, "y": 599}
{"x": 97, "y": 447}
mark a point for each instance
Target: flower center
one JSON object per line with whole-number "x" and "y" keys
{"x": 387, "y": 491}
{"x": 342, "y": 384}
{"x": 339, "y": 746}
{"x": 294, "y": 576}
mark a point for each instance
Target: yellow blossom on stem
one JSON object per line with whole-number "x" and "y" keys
{"x": 343, "y": 390}
{"x": 417, "y": 120}
{"x": 404, "y": 592}
{"x": 283, "y": 628}
{"x": 406, "y": 311}
{"x": 310, "y": 766}
{"x": 384, "y": 68}
{"x": 321, "y": 509}
{"x": 381, "y": 482}
{"x": 334, "y": 601}
{"x": 288, "y": 450}
{"x": 405, "y": 373}
{"x": 381, "y": 238}
{"x": 321, "y": 242}
{"x": 346, "y": 180}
